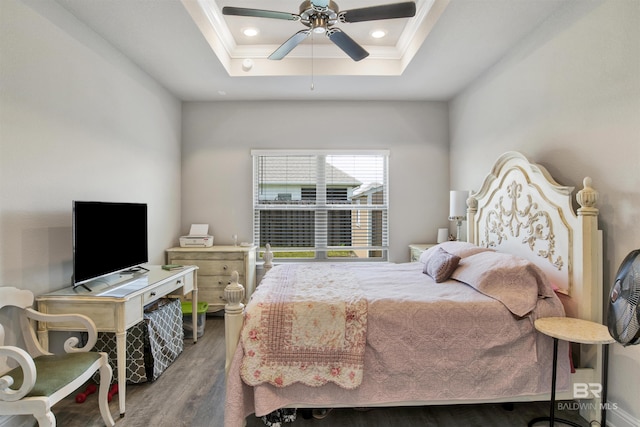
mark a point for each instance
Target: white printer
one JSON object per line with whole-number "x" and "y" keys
{"x": 198, "y": 237}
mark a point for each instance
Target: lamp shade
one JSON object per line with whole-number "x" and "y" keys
{"x": 458, "y": 203}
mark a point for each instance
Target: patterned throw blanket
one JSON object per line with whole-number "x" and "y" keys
{"x": 305, "y": 325}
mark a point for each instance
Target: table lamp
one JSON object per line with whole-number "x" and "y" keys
{"x": 458, "y": 208}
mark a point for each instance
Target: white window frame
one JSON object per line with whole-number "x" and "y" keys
{"x": 321, "y": 207}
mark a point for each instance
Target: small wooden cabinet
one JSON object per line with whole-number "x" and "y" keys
{"x": 215, "y": 265}
{"x": 416, "y": 250}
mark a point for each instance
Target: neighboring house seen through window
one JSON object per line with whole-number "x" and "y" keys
{"x": 321, "y": 204}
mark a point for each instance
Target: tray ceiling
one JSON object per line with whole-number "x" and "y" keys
{"x": 243, "y": 55}
{"x": 171, "y": 41}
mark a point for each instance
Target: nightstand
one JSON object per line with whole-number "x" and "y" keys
{"x": 416, "y": 250}
{"x": 578, "y": 331}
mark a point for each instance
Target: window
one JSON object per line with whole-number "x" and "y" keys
{"x": 321, "y": 204}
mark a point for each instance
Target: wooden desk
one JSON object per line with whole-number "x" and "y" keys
{"x": 118, "y": 308}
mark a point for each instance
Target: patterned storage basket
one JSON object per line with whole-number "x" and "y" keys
{"x": 152, "y": 345}
{"x": 166, "y": 337}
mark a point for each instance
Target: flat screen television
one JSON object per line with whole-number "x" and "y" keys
{"x": 108, "y": 238}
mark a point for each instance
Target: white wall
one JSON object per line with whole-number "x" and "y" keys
{"x": 217, "y": 168}
{"x": 569, "y": 98}
{"x": 77, "y": 121}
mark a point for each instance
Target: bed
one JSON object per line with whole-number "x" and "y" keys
{"x": 454, "y": 328}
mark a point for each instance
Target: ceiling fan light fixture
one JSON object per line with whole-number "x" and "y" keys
{"x": 319, "y": 25}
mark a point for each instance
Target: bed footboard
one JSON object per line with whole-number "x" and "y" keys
{"x": 233, "y": 317}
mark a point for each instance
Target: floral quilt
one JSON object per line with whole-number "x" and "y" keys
{"x": 308, "y": 326}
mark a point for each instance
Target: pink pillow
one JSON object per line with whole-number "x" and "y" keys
{"x": 512, "y": 280}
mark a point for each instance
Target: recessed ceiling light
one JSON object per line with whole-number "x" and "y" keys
{"x": 378, "y": 34}
{"x": 250, "y": 32}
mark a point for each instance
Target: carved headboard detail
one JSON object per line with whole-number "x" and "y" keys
{"x": 521, "y": 209}
{"x": 516, "y": 215}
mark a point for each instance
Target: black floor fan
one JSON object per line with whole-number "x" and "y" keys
{"x": 624, "y": 318}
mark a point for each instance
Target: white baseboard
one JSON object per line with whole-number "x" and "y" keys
{"x": 620, "y": 418}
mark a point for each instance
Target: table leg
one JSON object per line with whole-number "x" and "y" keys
{"x": 121, "y": 350}
{"x": 605, "y": 369}
{"x": 554, "y": 376}
{"x": 552, "y": 407}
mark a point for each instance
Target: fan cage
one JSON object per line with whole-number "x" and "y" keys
{"x": 624, "y": 317}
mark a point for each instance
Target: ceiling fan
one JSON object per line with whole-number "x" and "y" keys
{"x": 320, "y": 16}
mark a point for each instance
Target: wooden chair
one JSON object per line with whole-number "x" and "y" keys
{"x": 42, "y": 379}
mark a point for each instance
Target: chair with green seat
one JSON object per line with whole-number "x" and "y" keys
{"x": 41, "y": 379}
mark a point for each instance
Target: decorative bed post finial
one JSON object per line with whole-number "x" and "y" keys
{"x": 587, "y": 198}
{"x": 472, "y": 203}
{"x": 268, "y": 256}
{"x": 234, "y": 293}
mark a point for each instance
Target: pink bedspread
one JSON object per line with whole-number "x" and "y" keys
{"x": 425, "y": 341}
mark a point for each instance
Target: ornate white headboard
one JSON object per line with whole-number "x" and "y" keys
{"x": 521, "y": 209}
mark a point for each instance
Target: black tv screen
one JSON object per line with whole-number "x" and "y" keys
{"x": 107, "y": 238}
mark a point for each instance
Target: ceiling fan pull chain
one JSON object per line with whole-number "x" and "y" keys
{"x": 312, "y": 44}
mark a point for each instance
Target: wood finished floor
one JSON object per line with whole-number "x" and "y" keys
{"x": 191, "y": 393}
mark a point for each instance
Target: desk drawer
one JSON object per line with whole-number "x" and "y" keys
{"x": 167, "y": 288}
{"x": 103, "y": 313}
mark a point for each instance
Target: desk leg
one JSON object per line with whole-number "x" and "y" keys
{"x": 121, "y": 349}
{"x": 552, "y": 407}
{"x": 194, "y": 313}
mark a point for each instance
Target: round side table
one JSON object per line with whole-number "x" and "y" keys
{"x": 577, "y": 331}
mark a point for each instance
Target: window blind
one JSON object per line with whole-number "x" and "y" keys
{"x": 322, "y": 204}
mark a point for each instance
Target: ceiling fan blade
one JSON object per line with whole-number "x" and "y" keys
{"x": 259, "y": 13}
{"x": 288, "y": 46}
{"x": 374, "y": 13}
{"x": 347, "y": 44}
